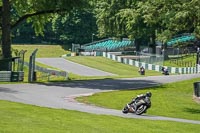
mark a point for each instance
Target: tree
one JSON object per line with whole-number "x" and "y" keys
{"x": 75, "y": 27}
{"x": 36, "y": 11}
{"x": 148, "y": 20}
{"x": 121, "y": 19}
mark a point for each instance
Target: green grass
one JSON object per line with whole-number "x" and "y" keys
{"x": 43, "y": 50}
{"x": 108, "y": 65}
{"x": 21, "y": 118}
{"x": 181, "y": 60}
{"x": 172, "y": 100}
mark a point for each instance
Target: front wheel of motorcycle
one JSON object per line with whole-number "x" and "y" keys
{"x": 125, "y": 110}
{"x": 141, "y": 109}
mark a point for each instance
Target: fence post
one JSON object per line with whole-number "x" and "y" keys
{"x": 32, "y": 66}
{"x": 30, "y": 69}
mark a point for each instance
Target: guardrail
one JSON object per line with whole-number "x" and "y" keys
{"x": 13, "y": 76}
{"x": 48, "y": 71}
{"x": 5, "y": 76}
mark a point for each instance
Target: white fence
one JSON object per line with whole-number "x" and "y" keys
{"x": 179, "y": 70}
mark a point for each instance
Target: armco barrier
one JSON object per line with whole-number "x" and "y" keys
{"x": 5, "y": 76}
{"x": 14, "y": 76}
{"x": 179, "y": 70}
{"x": 49, "y": 71}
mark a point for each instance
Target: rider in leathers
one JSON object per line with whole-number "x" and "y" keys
{"x": 138, "y": 99}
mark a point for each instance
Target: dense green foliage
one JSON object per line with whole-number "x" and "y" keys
{"x": 148, "y": 20}
{"x": 143, "y": 21}
{"x": 39, "y": 12}
{"x": 75, "y": 27}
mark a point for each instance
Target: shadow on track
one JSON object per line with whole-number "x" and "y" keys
{"x": 106, "y": 84}
{"x": 7, "y": 90}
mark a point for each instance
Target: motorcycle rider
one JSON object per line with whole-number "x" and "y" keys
{"x": 141, "y": 70}
{"x": 138, "y": 100}
{"x": 164, "y": 71}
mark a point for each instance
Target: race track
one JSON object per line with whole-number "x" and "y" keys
{"x": 61, "y": 95}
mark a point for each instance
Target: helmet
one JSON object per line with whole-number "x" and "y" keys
{"x": 148, "y": 94}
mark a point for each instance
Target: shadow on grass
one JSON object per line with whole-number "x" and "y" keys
{"x": 192, "y": 111}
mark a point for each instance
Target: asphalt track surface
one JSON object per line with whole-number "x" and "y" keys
{"x": 61, "y": 95}
{"x": 72, "y": 67}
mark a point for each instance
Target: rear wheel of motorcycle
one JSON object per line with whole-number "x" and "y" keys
{"x": 141, "y": 109}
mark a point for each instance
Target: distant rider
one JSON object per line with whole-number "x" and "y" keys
{"x": 164, "y": 71}
{"x": 141, "y": 70}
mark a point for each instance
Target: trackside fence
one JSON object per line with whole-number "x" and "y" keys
{"x": 178, "y": 70}
{"x": 11, "y": 76}
{"x": 47, "y": 73}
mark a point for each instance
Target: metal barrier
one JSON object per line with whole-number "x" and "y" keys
{"x": 47, "y": 72}
{"x": 17, "y": 76}
{"x": 5, "y": 76}
{"x": 31, "y": 74}
{"x": 13, "y": 76}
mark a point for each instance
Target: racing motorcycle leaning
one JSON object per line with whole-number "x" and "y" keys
{"x": 138, "y": 106}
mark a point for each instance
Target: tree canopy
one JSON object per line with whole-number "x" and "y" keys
{"x": 39, "y": 12}
{"x": 143, "y": 21}
{"x": 147, "y": 20}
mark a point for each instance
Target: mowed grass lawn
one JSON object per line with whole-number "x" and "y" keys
{"x": 43, "y": 50}
{"x": 171, "y": 100}
{"x": 21, "y": 118}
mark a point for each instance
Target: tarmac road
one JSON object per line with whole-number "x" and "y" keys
{"x": 72, "y": 67}
{"x": 61, "y": 95}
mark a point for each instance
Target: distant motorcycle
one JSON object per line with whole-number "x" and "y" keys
{"x": 141, "y": 70}
{"x": 165, "y": 71}
{"x": 138, "y": 107}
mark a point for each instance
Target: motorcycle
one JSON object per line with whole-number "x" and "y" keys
{"x": 165, "y": 71}
{"x": 138, "y": 107}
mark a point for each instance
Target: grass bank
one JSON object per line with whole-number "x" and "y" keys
{"x": 21, "y": 118}
{"x": 172, "y": 100}
{"x": 108, "y": 65}
{"x": 43, "y": 50}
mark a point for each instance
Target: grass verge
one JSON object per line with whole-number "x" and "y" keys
{"x": 21, "y": 118}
